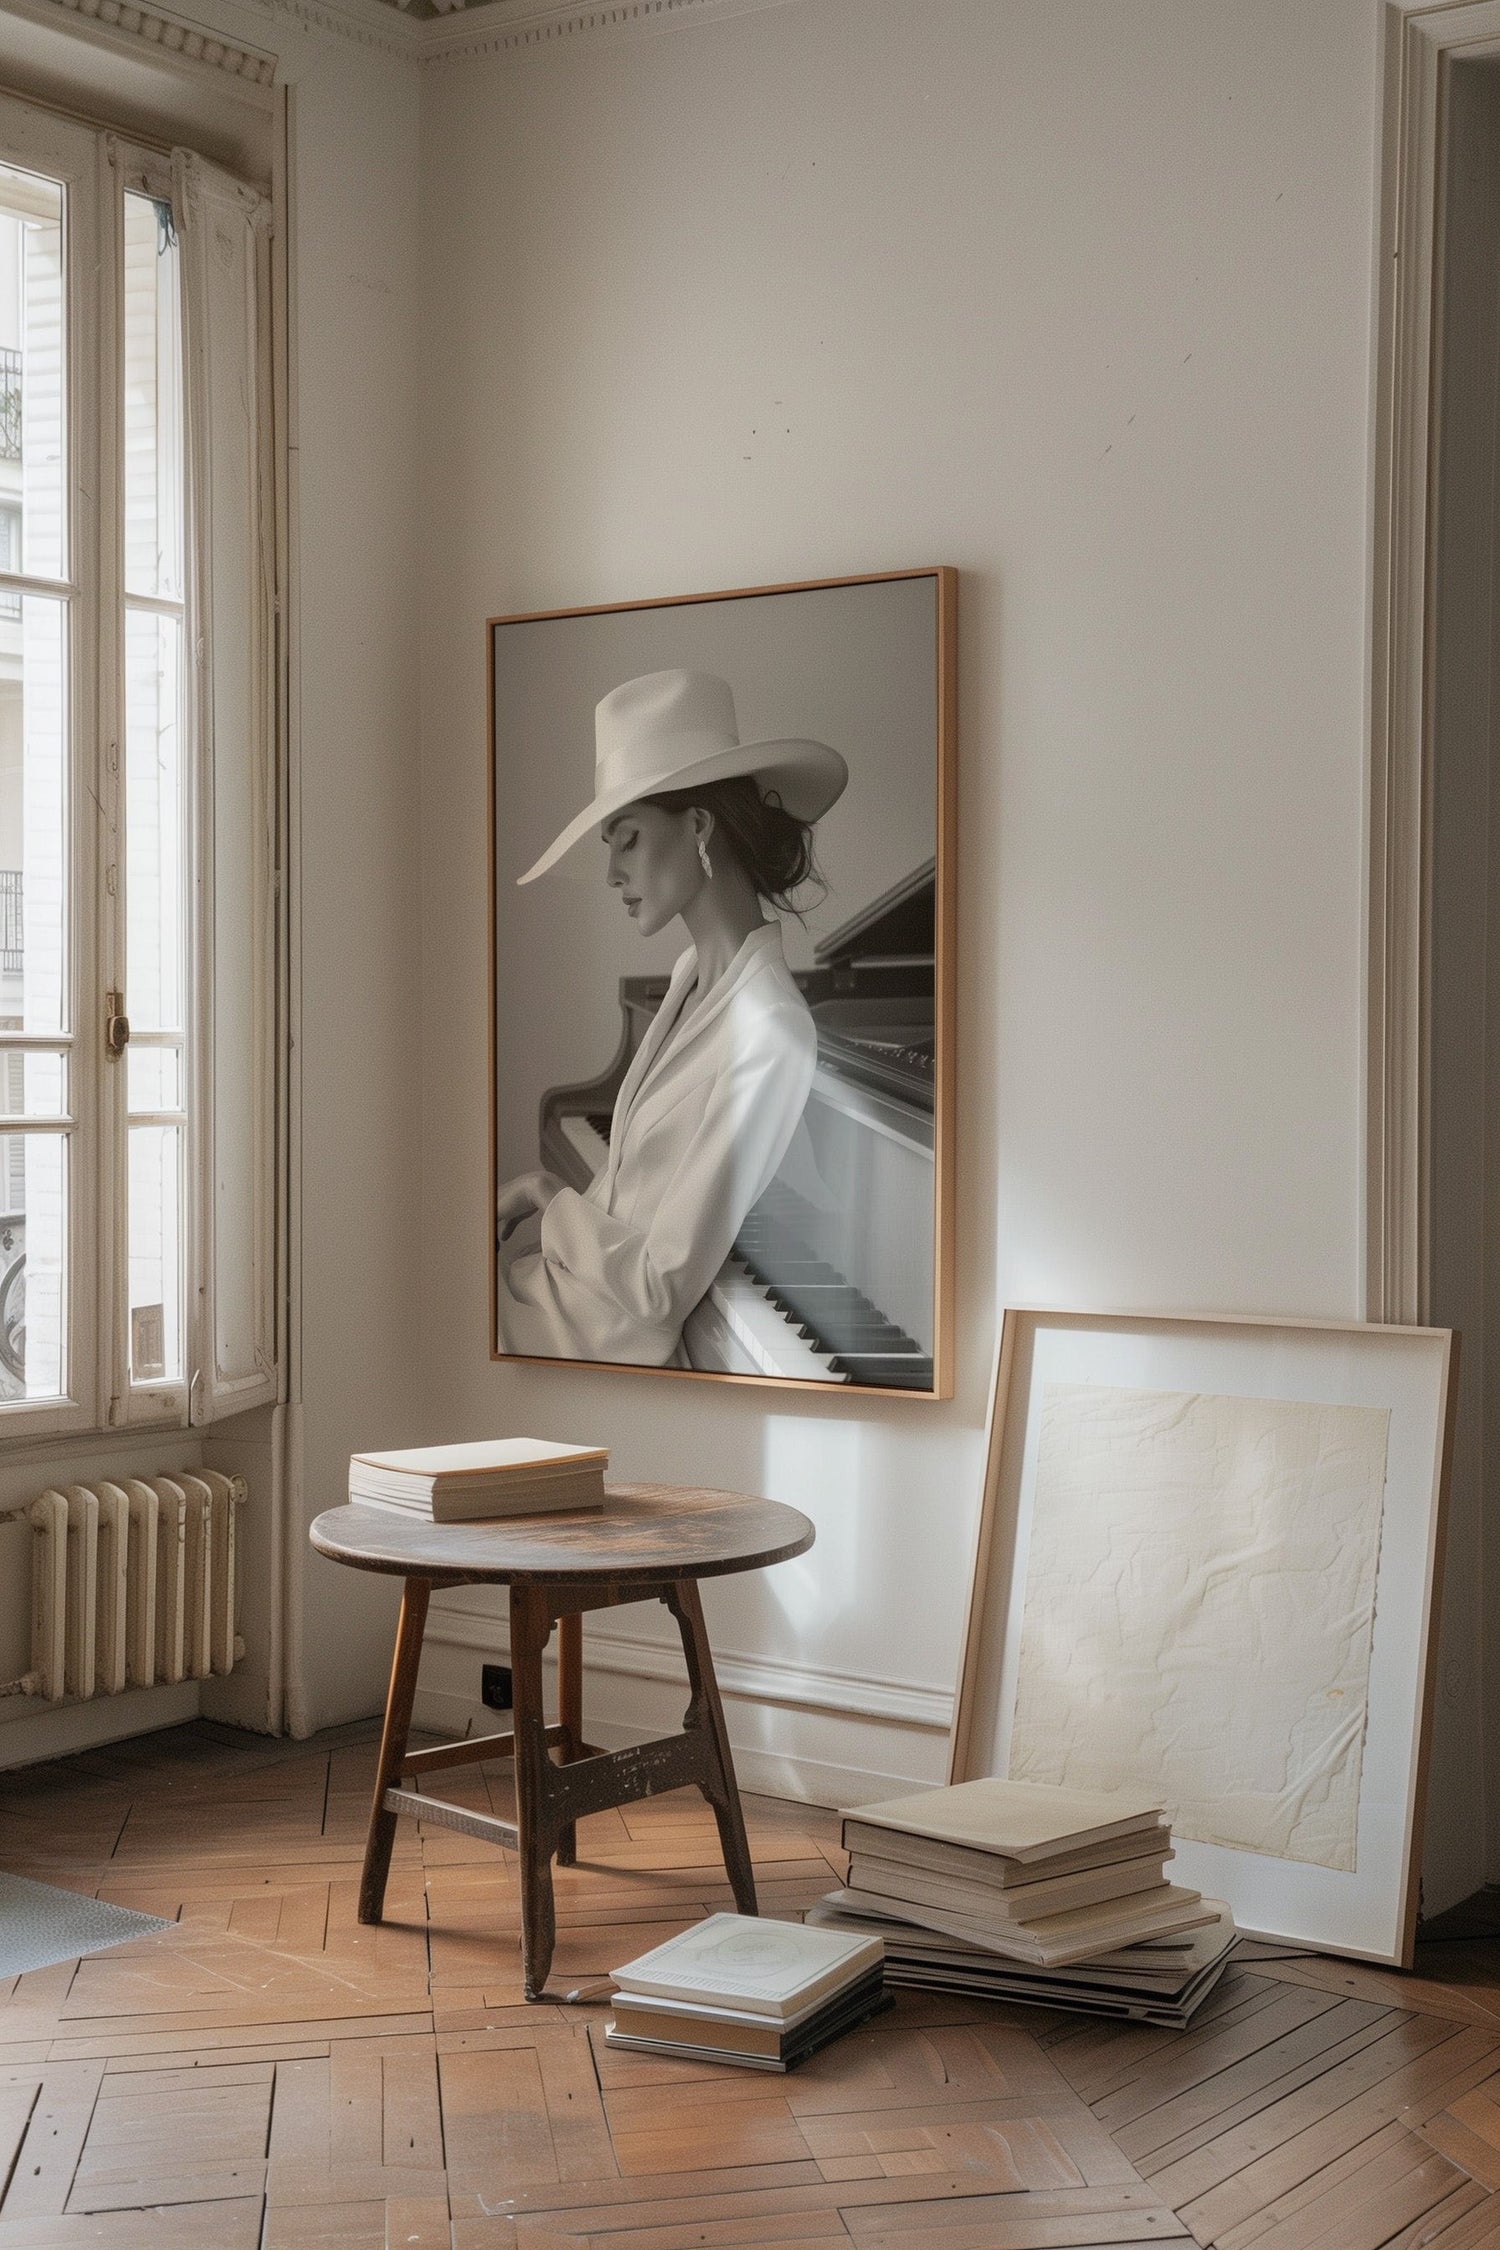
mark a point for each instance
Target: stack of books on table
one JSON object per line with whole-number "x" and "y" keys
{"x": 736, "y": 1989}
{"x": 491, "y": 1478}
{"x": 1024, "y": 1891}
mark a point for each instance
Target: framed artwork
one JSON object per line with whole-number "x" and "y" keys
{"x": 1208, "y": 1565}
{"x": 721, "y": 946}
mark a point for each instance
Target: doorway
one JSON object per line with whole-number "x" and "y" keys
{"x": 1462, "y": 1166}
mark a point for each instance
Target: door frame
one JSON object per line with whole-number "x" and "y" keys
{"x": 1422, "y": 41}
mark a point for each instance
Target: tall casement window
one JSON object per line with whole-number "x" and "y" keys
{"x": 137, "y": 813}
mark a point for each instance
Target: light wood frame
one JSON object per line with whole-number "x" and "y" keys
{"x": 945, "y": 582}
{"x": 993, "y": 1582}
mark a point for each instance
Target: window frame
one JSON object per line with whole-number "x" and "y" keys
{"x": 97, "y": 168}
{"x": 73, "y": 155}
{"x": 165, "y": 1402}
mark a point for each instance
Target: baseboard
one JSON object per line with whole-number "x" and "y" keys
{"x": 758, "y": 1679}
{"x": 57, "y": 1730}
{"x": 761, "y": 1772}
{"x": 817, "y": 1737}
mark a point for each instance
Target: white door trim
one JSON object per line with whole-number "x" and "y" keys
{"x": 1421, "y": 42}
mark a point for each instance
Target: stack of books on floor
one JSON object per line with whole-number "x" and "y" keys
{"x": 494, "y": 1477}
{"x": 1160, "y": 1982}
{"x": 736, "y": 1989}
{"x": 1020, "y": 1891}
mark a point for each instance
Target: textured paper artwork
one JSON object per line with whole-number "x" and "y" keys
{"x": 1200, "y": 1600}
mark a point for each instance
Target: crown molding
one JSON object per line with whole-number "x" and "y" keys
{"x": 505, "y": 28}
{"x": 368, "y": 23}
{"x": 516, "y": 28}
{"x": 132, "y": 23}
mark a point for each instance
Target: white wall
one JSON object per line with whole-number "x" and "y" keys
{"x": 1077, "y": 297}
{"x": 360, "y": 369}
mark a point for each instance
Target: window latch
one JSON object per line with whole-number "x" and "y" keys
{"x": 116, "y": 1024}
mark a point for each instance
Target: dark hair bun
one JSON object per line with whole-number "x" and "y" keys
{"x": 773, "y": 847}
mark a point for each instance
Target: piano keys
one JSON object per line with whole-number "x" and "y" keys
{"x": 809, "y": 1301}
{"x": 831, "y": 1276}
{"x": 740, "y": 1329}
{"x": 573, "y": 1130}
{"x": 586, "y": 1135}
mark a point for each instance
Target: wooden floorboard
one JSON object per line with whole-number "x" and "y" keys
{"x": 268, "y": 2074}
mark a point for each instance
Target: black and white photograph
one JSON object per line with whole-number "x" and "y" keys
{"x": 722, "y": 1010}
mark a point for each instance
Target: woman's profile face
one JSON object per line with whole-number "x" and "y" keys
{"x": 653, "y": 863}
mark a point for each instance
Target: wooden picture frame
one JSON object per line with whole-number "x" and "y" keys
{"x": 1055, "y": 1367}
{"x": 868, "y": 666}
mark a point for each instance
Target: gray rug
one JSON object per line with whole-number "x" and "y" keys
{"x": 40, "y": 1925}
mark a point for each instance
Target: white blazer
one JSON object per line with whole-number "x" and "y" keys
{"x": 702, "y": 1122}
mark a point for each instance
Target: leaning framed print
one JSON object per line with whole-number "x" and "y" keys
{"x": 722, "y": 963}
{"x": 1208, "y": 1568}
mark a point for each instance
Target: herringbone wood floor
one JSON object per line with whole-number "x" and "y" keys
{"x": 269, "y": 2076}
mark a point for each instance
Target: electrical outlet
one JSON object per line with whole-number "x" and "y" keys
{"x": 495, "y": 1687}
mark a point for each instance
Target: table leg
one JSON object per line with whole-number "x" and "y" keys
{"x": 570, "y": 1714}
{"x": 530, "y": 1630}
{"x": 398, "y": 1703}
{"x": 707, "y": 1712}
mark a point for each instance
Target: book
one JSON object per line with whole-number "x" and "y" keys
{"x": 974, "y": 1865}
{"x": 1161, "y": 1981}
{"x": 1150, "y": 1961}
{"x": 689, "y": 2013}
{"x": 493, "y": 1477}
{"x": 1015, "y": 1902}
{"x": 1056, "y": 1938}
{"x": 678, "y": 2023}
{"x": 845, "y": 2013}
{"x": 1016, "y": 1820}
{"x": 755, "y": 1966}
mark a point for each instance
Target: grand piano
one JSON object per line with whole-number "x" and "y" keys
{"x": 831, "y": 1276}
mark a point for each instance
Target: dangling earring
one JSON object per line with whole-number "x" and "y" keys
{"x": 703, "y": 859}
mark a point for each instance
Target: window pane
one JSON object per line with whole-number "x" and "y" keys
{"x": 155, "y": 1254}
{"x": 153, "y": 404}
{"x": 33, "y": 1085}
{"x": 153, "y": 822}
{"x": 33, "y": 1245}
{"x": 33, "y": 817}
{"x": 10, "y": 543}
{"x": 155, "y": 1078}
{"x": 32, "y": 363}
{"x": 155, "y": 804}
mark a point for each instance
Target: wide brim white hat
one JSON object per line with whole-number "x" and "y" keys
{"x": 672, "y": 730}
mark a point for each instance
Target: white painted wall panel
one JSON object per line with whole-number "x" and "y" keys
{"x": 358, "y": 407}
{"x": 1076, "y": 297}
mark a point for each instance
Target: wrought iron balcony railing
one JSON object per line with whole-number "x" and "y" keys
{"x": 11, "y": 940}
{"x": 10, "y": 405}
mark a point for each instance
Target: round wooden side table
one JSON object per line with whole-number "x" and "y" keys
{"x": 648, "y": 1542}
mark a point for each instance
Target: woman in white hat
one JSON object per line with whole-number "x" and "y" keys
{"x": 709, "y": 830}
